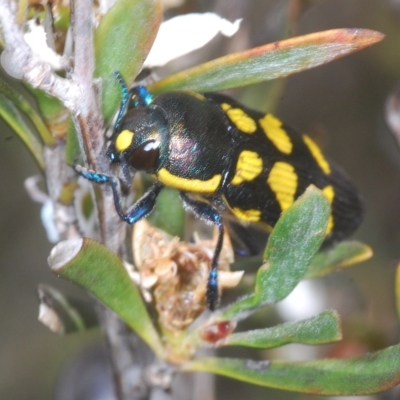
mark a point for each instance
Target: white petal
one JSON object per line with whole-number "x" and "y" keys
{"x": 228, "y": 279}
{"x": 47, "y": 210}
{"x": 307, "y": 300}
{"x": 36, "y": 39}
{"x": 47, "y": 217}
{"x": 185, "y": 33}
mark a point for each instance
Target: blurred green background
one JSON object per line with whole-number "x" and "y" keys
{"x": 341, "y": 104}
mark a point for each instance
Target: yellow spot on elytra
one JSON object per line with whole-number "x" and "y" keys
{"x": 241, "y": 120}
{"x": 248, "y": 167}
{"x": 124, "y": 140}
{"x": 317, "y": 154}
{"x": 329, "y": 193}
{"x": 282, "y": 179}
{"x": 197, "y": 95}
{"x": 329, "y": 226}
{"x": 190, "y": 185}
{"x": 272, "y": 127}
{"x": 247, "y": 215}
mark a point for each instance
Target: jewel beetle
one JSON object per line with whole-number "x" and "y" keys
{"x": 227, "y": 161}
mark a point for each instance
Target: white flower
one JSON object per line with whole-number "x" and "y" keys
{"x": 183, "y": 34}
{"x": 36, "y": 38}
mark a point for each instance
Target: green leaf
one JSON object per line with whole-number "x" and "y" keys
{"x": 20, "y": 102}
{"x": 292, "y": 245}
{"x": 54, "y": 113}
{"x": 296, "y": 238}
{"x": 49, "y": 106}
{"x": 72, "y": 149}
{"x": 323, "y": 328}
{"x": 371, "y": 373}
{"x": 62, "y": 314}
{"x": 168, "y": 214}
{"x": 342, "y": 255}
{"x": 397, "y": 290}
{"x": 92, "y": 266}
{"x": 122, "y": 42}
{"x": 270, "y": 61}
{"x": 13, "y": 117}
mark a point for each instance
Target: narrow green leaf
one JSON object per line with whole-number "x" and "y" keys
{"x": 323, "y": 328}
{"x": 63, "y": 314}
{"x": 295, "y": 239}
{"x": 342, "y": 255}
{"x": 293, "y": 244}
{"x": 22, "y": 11}
{"x": 169, "y": 215}
{"x": 20, "y": 102}
{"x": 122, "y": 42}
{"x": 371, "y": 373}
{"x": 13, "y": 117}
{"x": 50, "y": 107}
{"x": 72, "y": 149}
{"x": 92, "y": 266}
{"x": 270, "y": 61}
{"x": 55, "y": 115}
{"x": 397, "y": 290}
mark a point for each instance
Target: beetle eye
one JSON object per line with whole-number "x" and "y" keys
{"x": 146, "y": 156}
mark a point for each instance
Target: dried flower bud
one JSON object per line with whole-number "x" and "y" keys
{"x": 178, "y": 272}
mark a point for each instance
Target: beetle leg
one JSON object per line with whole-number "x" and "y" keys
{"x": 207, "y": 213}
{"x": 143, "y": 207}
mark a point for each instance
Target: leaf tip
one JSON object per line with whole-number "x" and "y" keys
{"x": 365, "y": 255}
{"x": 365, "y": 37}
{"x": 49, "y": 318}
{"x": 64, "y": 252}
{"x": 313, "y": 192}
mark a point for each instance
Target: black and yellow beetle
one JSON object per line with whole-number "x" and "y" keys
{"x": 227, "y": 161}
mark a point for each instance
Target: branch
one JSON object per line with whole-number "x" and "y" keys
{"x": 80, "y": 97}
{"x": 19, "y": 61}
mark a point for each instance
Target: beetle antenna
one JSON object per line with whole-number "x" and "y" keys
{"x": 125, "y": 98}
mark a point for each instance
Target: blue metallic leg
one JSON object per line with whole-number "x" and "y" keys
{"x": 205, "y": 212}
{"x": 143, "y": 207}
